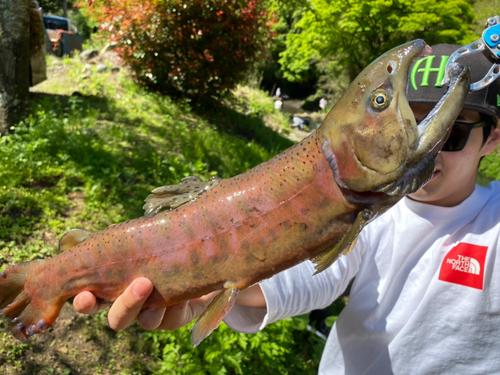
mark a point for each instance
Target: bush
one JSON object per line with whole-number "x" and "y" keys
{"x": 190, "y": 48}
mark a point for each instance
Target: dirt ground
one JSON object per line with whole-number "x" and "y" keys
{"x": 76, "y": 344}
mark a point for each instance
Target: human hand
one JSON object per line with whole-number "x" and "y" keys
{"x": 128, "y": 308}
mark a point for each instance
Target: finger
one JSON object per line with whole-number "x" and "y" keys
{"x": 86, "y": 303}
{"x": 183, "y": 313}
{"x": 151, "y": 318}
{"x": 127, "y": 306}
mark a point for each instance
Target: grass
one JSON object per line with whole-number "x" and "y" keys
{"x": 86, "y": 157}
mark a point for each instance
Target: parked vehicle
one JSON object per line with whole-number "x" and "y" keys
{"x": 63, "y": 35}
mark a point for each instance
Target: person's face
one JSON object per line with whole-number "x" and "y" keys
{"x": 454, "y": 177}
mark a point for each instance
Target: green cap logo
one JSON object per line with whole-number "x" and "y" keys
{"x": 427, "y": 70}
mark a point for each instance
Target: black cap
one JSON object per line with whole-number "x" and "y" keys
{"x": 426, "y": 75}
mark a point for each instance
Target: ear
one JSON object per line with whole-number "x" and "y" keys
{"x": 492, "y": 142}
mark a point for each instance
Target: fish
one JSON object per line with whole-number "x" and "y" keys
{"x": 309, "y": 202}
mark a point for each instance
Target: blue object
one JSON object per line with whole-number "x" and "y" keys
{"x": 493, "y": 30}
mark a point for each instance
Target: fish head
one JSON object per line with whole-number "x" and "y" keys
{"x": 371, "y": 138}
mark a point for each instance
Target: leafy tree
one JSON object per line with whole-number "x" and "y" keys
{"x": 286, "y": 14}
{"x": 54, "y": 7}
{"x": 352, "y": 33}
{"x": 485, "y": 9}
{"x": 194, "y": 48}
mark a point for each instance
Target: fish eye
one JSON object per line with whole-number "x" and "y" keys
{"x": 380, "y": 99}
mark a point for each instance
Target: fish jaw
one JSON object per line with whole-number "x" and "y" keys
{"x": 371, "y": 145}
{"x": 434, "y": 130}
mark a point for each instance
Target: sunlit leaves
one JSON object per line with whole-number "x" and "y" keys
{"x": 353, "y": 33}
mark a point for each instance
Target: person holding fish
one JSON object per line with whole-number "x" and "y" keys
{"x": 426, "y": 291}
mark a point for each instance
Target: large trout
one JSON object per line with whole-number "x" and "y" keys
{"x": 309, "y": 202}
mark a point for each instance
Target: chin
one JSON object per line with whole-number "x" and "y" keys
{"x": 425, "y": 195}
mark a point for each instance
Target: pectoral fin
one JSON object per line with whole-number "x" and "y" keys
{"x": 73, "y": 238}
{"x": 345, "y": 245}
{"x": 213, "y": 315}
{"x": 173, "y": 196}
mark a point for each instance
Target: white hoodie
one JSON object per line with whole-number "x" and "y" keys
{"x": 426, "y": 298}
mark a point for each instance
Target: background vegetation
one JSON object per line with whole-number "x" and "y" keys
{"x": 195, "y": 48}
{"x": 96, "y": 144}
{"x": 87, "y": 157}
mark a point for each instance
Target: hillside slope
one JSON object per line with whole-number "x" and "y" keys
{"x": 92, "y": 149}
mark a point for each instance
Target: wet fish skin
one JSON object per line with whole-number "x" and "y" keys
{"x": 238, "y": 231}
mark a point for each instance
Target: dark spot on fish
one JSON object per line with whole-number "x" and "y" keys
{"x": 220, "y": 258}
{"x": 198, "y": 276}
{"x": 194, "y": 257}
{"x": 286, "y": 224}
{"x": 302, "y": 226}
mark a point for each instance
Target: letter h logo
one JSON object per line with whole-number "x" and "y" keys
{"x": 427, "y": 70}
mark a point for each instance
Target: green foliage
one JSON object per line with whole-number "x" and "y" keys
{"x": 490, "y": 167}
{"x": 284, "y": 347}
{"x": 286, "y": 13}
{"x": 484, "y": 9}
{"x": 351, "y": 34}
{"x": 54, "y": 7}
{"x": 89, "y": 160}
{"x": 82, "y": 22}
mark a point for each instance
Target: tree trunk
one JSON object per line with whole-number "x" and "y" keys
{"x": 14, "y": 62}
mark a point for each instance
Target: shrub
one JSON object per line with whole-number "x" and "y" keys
{"x": 187, "y": 48}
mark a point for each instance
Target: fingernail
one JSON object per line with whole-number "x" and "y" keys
{"x": 151, "y": 318}
{"x": 141, "y": 290}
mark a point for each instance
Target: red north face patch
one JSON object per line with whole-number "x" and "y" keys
{"x": 464, "y": 265}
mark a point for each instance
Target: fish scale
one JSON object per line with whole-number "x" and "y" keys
{"x": 309, "y": 202}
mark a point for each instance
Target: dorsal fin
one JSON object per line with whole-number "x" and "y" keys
{"x": 73, "y": 238}
{"x": 173, "y": 196}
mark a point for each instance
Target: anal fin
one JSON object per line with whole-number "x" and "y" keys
{"x": 345, "y": 245}
{"x": 213, "y": 315}
{"x": 173, "y": 196}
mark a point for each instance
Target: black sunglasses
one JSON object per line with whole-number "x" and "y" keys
{"x": 460, "y": 135}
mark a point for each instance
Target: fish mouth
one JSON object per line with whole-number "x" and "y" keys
{"x": 433, "y": 132}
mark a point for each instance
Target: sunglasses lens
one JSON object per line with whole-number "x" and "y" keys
{"x": 457, "y": 139}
